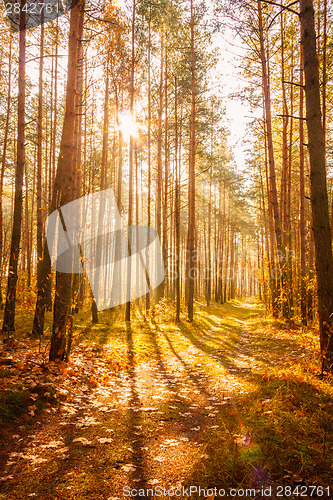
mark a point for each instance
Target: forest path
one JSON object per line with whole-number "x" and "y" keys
{"x": 177, "y": 415}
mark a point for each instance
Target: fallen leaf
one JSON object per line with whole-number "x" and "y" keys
{"x": 82, "y": 440}
{"x": 104, "y": 440}
{"x": 128, "y": 468}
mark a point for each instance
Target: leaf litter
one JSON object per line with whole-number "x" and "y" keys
{"x": 162, "y": 407}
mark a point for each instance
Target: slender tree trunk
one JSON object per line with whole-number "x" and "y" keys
{"x": 325, "y": 70}
{"x": 39, "y": 225}
{"x": 271, "y": 160}
{"x": 310, "y": 300}
{"x": 3, "y": 161}
{"x": 130, "y": 187}
{"x": 27, "y": 231}
{"x": 118, "y": 245}
{"x": 94, "y": 311}
{"x": 226, "y": 258}
{"x": 284, "y": 174}
{"x": 9, "y": 314}
{"x": 232, "y": 264}
{"x": 302, "y": 194}
{"x": 149, "y": 153}
{"x": 52, "y": 170}
{"x": 209, "y": 250}
{"x": 79, "y": 278}
{"x": 160, "y": 288}
{"x": 177, "y": 208}
{"x": 288, "y": 226}
{"x": 221, "y": 242}
{"x": 166, "y": 178}
{"x": 272, "y": 269}
{"x": 191, "y": 246}
{"x": 265, "y": 231}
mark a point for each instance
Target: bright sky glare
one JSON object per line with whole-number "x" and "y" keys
{"x": 127, "y": 125}
{"x": 239, "y": 114}
{"x": 227, "y": 80}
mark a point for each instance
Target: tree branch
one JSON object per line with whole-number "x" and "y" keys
{"x": 294, "y": 83}
{"x": 283, "y": 7}
{"x": 292, "y": 116}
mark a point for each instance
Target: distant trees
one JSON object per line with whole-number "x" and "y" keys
{"x": 293, "y": 73}
{"x": 137, "y": 114}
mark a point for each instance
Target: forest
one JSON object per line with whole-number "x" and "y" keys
{"x": 166, "y": 278}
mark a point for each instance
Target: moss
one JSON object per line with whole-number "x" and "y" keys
{"x": 13, "y": 405}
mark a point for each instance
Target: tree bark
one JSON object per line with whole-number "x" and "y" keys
{"x": 39, "y": 225}
{"x": 271, "y": 160}
{"x": 149, "y": 150}
{"x": 131, "y": 147}
{"x": 284, "y": 173}
{"x": 191, "y": 247}
{"x": 302, "y": 195}
{"x": 318, "y": 184}
{"x": 9, "y": 314}
{"x": 64, "y": 188}
{"x": 160, "y": 288}
{"x": 166, "y": 179}
{"x": 177, "y": 208}
{"x": 3, "y": 161}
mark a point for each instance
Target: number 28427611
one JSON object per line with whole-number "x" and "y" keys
{"x": 32, "y": 8}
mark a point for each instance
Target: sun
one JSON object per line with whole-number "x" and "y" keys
{"x": 127, "y": 125}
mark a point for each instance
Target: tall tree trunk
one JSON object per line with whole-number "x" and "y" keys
{"x": 130, "y": 186}
{"x": 302, "y": 194}
{"x": 3, "y": 161}
{"x": 27, "y": 246}
{"x": 39, "y": 225}
{"x": 118, "y": 246}
{"x": 149, "y": 153}
{"x": 79, "y": 278}
{"x": 265, "y": 235}
{"x": 94, "y": 311}
{"x": 166, "y": 178}
{"x": 64, "y": 188}
{"x": 288, "y": 226}
{"x": 209, "y": 250}
{"x": 271, "y": 160}
{"x": 177, "y": 208}
{"x": 159, "y": 188}
{"x": 284, "y": 173}
{"x": 52, "y": 170}
{"x": 191, "y": 247}
{"x": 9, "y": 314}
{"x": 325, "y": 70}
{"x": 319, "y": 198}
{"x": 272, "y": 270}
{"x": 226, "y": 275}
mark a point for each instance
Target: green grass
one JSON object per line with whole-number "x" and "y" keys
{"x": 284, "y": 408}
{"x": 13, "y": 405}
{"x": 285, "y": 412}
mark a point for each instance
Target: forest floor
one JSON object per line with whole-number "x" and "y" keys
{"x": 233, "y": 400}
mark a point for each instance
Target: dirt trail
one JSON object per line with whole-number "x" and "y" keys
{"x": 145, "y": 428}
